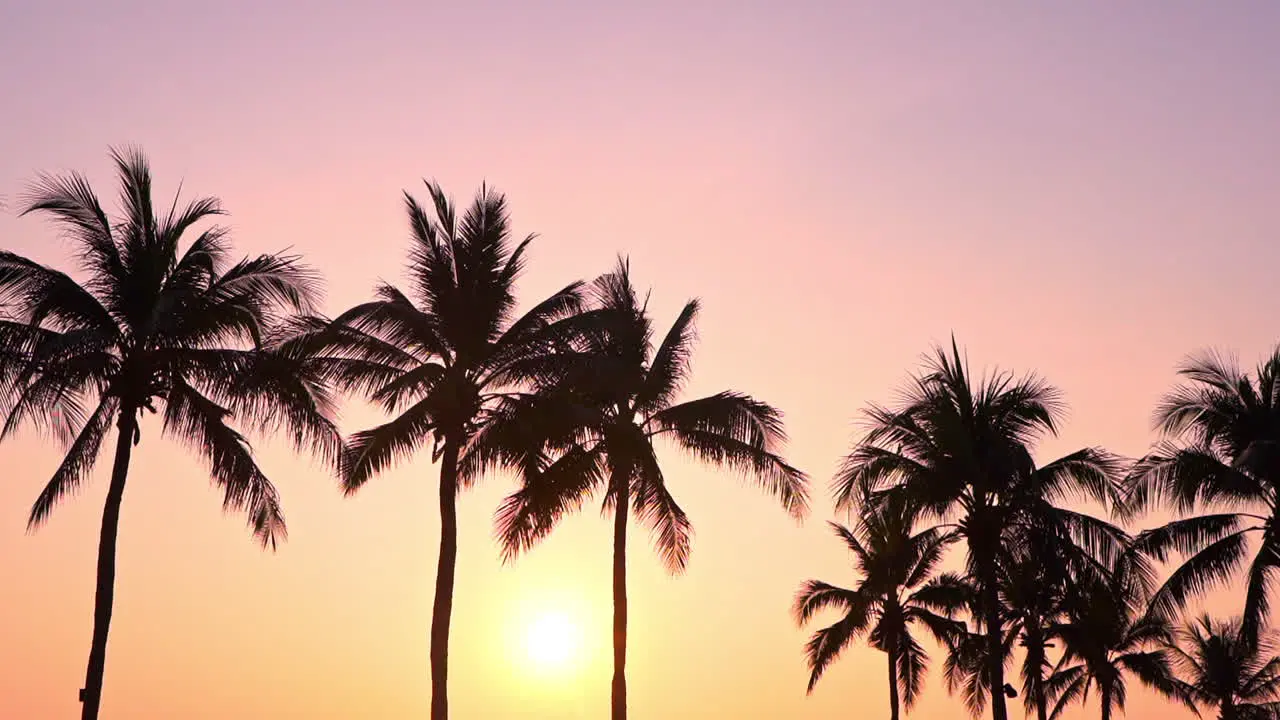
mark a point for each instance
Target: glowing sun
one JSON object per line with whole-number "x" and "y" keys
{"x": 552, "y": 640}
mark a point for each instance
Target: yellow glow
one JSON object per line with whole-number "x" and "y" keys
{"x": 552, "y": 640}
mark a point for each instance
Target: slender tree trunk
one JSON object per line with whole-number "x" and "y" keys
{"x": 620, "y": 510}
{"x": 104, "y": 596}
{"x": 442, "y": 610}
{"x": 995, "y": 640}
{"x": 893, "y": 685}
{"x": 1042, "y": 702}
{"x": 1035, "y": 657}
{"x": 1106, "y": 703}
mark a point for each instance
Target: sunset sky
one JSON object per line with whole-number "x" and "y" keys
{"x": 1086, "y": 189}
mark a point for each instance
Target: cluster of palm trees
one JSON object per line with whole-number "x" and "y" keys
{"x": 1072, "y": 595}
{"x": 569, "y": 396}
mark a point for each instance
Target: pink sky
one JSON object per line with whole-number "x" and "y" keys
{"x": 1087, "y": 191}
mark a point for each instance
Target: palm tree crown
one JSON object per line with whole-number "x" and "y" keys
{"x": 897, "y": 590}
{"x": 1228, "y": 459}
{"x": 616, "y": 393}
{"x": 155, "y": 323}
{"x": 1108, "y": 634}
{"x": 1219, "y": 669}
{"x": 960, "y": 452}
{"x": 443, "y": 355}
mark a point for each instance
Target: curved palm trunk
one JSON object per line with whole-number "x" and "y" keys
{"x": 620, "y": 509}
{"x": 442, "y": 610}
{"x": 104, "y": 596}
{"x": 893, "y": 686}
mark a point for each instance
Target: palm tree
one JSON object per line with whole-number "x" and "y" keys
{"x": 1222, "y": 451}
{"x": 1220, "y": 670}
{"x": 1036, "y": 583}
{"x": 895, "y": 593}
{"x": 1035, "y": 579}
{"x": 1109, "y": 635}
{"x": 961, "y": 452}
{"x": 615, "y": 400}
{"x": 441, "y": 357}
{"x": 153, "y": 323}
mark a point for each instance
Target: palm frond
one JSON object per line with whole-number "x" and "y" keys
{"x": 738, "y": 432}
{"x": 1066, "y": 687}
{"x": 272, "y": 390}
{"x": 826, "y": 645}
{"x": 1207, "y": 569}
{"x": 76, "y": 464}
{"x": 370, "y": 451}
{"x": 50, "y": 298}
{"x": 201, "y": 424}
{"x": 1261, "y": 582}
{"x": 655, "y": 507}
{"x": 394, "y": 320}
{"x": 548, "y": 493}
{"x": 74, "y": 206}
{"x": 1086, "y": 474}
{"x": 913, "y": 663}
{"x": 815, "y": 596}
{"x": 947, "y": 593}
{"x": 1187, "y": 536}
{"x": 1187, "y": 478}
{"x": 669, "y": 368}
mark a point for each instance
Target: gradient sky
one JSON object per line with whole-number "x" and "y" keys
{"x": 1086, "y": 189}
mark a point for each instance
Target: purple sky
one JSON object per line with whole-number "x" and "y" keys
{"x": 1086, "y": 189}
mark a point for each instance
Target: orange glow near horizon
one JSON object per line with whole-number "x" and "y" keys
{"x": 1086, "y": 191}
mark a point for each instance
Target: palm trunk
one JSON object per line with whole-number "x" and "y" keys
{"x": 995, "y": 640}
{"x": 442, "y": 610}
{"x": 619, "y": 700}
{"x": 1106, "y": 702}
{"x": 893, "y": 685}
{"x": 1035, "y": 657}
{"x": 104, "y": 596}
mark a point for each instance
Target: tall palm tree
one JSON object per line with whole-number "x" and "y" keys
{"x": 153, "y": 323}
{"x": 615, "y": 401}
{"x": 961, "y": 450}
{"x": 1108, "y": 636}
{"x": 441, "y": 357}
{"x": 897, "y": 591}
{"x": 1221, "y": 452}
{"x": 1220, "y": 670}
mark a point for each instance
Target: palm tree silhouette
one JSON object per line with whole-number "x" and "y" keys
{"x": 616, "y": 394}
{"x": 153, "y": 323}
{"x": 1110, "y": 634}
{"x": 1229, "y": 458}
{"x": 441, "y": 357}
{"x": 1036, "y": 580}
{"x": 1219, "y": 669}
{"x": 960, "y": 451}
{"x": 895, "y": 593}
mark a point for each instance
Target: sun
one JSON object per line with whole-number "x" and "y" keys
{"x": 552, "y": 640}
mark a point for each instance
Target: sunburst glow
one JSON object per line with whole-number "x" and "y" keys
{"x": 553, "y": 640}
